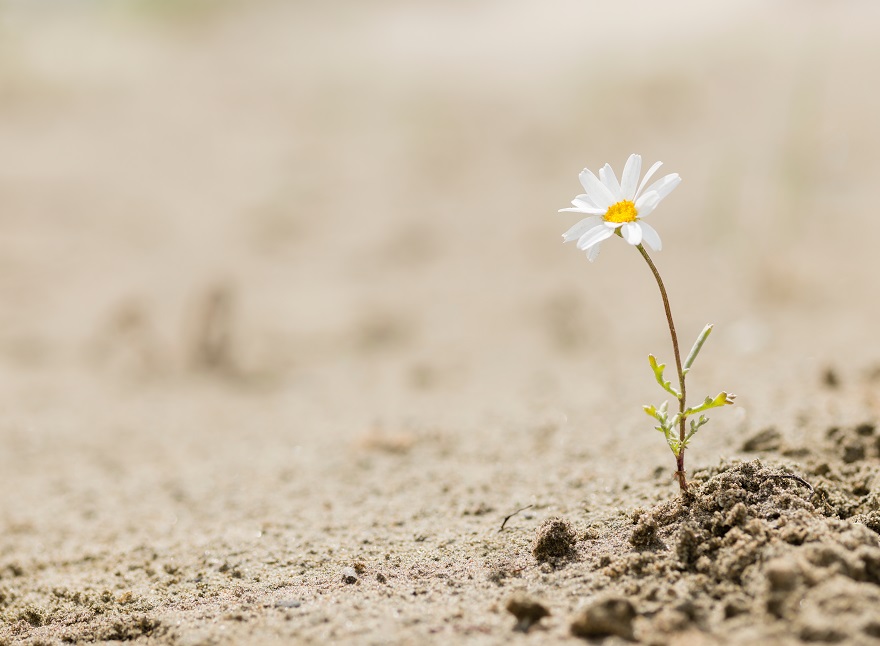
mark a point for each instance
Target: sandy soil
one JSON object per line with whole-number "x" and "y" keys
{"x": 288, "y": 330}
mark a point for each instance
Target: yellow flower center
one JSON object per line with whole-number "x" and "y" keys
{"x": 624, "y": 211}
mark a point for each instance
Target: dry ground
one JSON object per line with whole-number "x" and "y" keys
{"x": 283, "y": 294}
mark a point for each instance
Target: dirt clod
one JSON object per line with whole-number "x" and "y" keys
{"x": 554, "y": 539}
{"x": 767, "y": 440}
{"x": 830, "y": 378}
{"x": 349, "y": 575}
{"x": 754, "y": 546}
{"x": 645, "y": 532}
{"x": 606, "y": 617}
{"x": 527, "y": 611}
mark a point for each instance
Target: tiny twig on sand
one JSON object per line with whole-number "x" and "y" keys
{"x": 789, "y": 476}
{"x": 509, "y": 516}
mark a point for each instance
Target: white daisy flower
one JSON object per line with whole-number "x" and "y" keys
{"x": 615, "y": 205}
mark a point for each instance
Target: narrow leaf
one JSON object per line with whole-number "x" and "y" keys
{"x": 697, "y": 346}
{"x": 721, "y": 399}
{"x": 695, "y": 426}
{"x": 658, "y": 375}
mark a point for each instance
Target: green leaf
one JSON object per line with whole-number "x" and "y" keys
{"x": 695, "y": 426}
{"x": 721, "y": 399}
{"x": 698, "y": 345}
{"x": 658, "y": 375}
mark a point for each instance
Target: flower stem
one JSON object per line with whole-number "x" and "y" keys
{"x": 679, "y": 459}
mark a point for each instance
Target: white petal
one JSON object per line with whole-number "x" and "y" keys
{"x": 665, "y": 185}
{"x": 588, "y": 205}
{"x": 630, "y": 177}
{"x": 593, "y": 252}
{"x": 651, "y": 237}
{"x": 632, "y": 233}
{"x": 647, "y": 203}
{"x": 606, "y": 174}
{"x": 589, "y": 210}
{"x": 613, "y": 225}
{"x": 593, "y": 236}
{"x": 648, "y": 176}
{"x": 597, "y": 191}
{"x": 581, "y": 228}
{"x": 583, "y": 197}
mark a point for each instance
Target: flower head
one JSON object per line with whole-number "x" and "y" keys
{"x": 618, "y": 206}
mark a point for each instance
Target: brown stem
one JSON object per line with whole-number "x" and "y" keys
{"x": 679, "y": 460}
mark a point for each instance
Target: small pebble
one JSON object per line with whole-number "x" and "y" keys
{"x": 381, "y": 578}
{"x": 830, "y": 378}
{"x": 865, "y": 429}
{"x": 768, "y": 439}
{"x": 349, "y": 575}
{"x": 609, "y": 616}
{"x": 287, "y": 603}
{"x": 527, "y": 611}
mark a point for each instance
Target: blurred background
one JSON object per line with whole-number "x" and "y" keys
{"x": 236, "y": 236}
